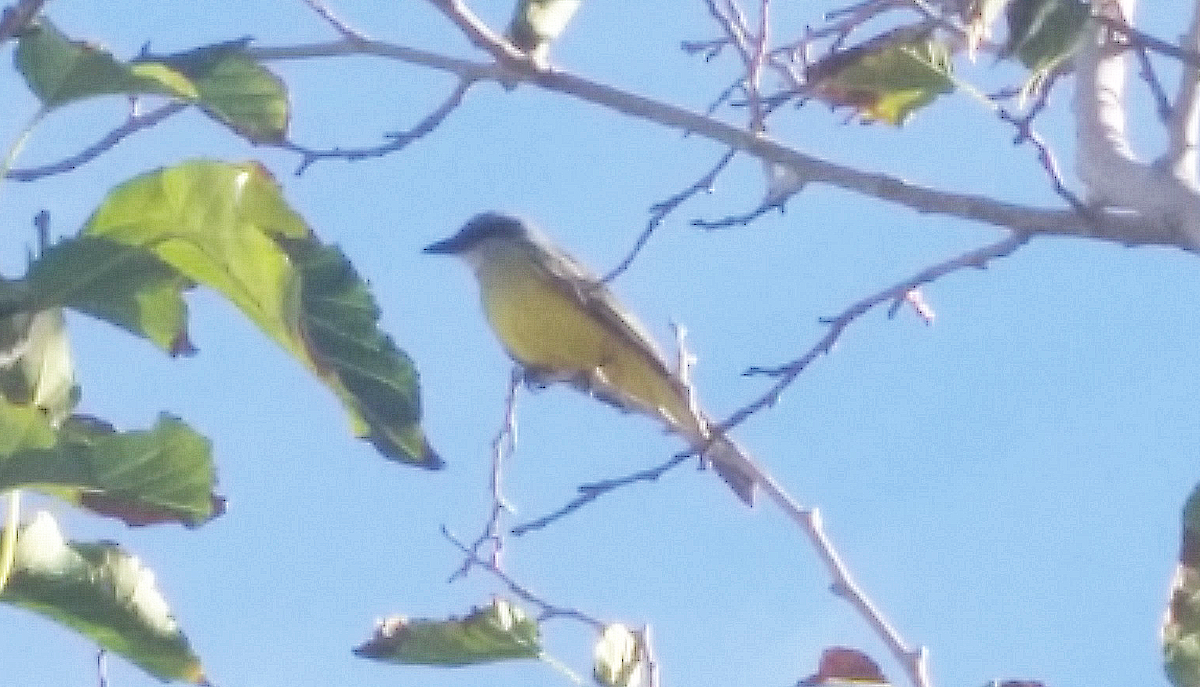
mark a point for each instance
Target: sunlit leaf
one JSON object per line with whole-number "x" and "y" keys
{"x": 42, "y": 373}
{"x": 60, "y": 70}
{"x": 235, "y": 89}
{"x": 23, "y": 427}
{"x": 228, "y": 227}
{"x": 885, "y": 82}
{"x": 164, "y": 474}
{"x": 617, "y": 658}
{"x": 103, "y": 593}
{"x": 497, "y": 632}
{"x": 1181, "y": 624}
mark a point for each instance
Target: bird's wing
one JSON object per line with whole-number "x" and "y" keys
{"x": 731, "y": 462}
{"x": 598, "y": 300}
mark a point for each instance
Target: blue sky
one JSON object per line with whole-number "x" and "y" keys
{"x": 1005, "y": 484}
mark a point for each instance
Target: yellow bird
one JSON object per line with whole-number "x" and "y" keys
{"x": 562, "y": 325}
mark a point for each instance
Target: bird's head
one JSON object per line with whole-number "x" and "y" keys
{"x": 482, "y": 229}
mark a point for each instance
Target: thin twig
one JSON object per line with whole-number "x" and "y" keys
{"x": 102, "y": 668}
{"x": 787, "y": 373}
{"x": 742, "y": 219}
{"x": 1162, "y": 104}
{"x": 593, "y": 490}
{"x": 132, "y": 125}
{"x": 346, "y": 31}
{"x": 399, "y": 141}
{"x": 503, "y": 446}
{"x": 660, "y": 211}
{"x": 1026, "y": 133}
{"x": 548, "y": 610}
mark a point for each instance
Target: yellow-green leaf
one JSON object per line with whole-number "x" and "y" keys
{"x": 228, "y": 227}
{"x": 42, "y": 373}
{"x": 234, "y": 89}
{"x": 885, "y": 81}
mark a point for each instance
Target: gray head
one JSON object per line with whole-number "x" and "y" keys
{"x": 488, "y": 225}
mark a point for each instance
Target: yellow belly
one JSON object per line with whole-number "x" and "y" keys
{"x": 546, "y": 329}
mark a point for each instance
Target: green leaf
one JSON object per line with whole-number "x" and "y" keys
{"x": 235, "y": 89}
{"x": 103, "y": 593}
{"x": 60, "y": 70}
{"x": 228, "y": 227}
{"x": 376, "y": 380}
{"x": 498, "y": 632}
{"x": 164, "y": 474}
{"x": 1043, "y": 33}
{"x": 885, "y": 80}
{"x": 121, "y": 284}
{"x": 1181, "y": 625}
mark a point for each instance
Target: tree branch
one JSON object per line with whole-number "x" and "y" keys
{"x": 1122, "y": 228}
{"x": 1184, "y": 126}
{"x": 132, "y": 125}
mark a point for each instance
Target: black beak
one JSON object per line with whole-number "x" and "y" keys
{"x": 444, "y": 247}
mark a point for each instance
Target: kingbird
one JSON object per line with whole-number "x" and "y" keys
{"x": 561, "y": 324}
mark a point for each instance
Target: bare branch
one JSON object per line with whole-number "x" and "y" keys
{"x": 787, "y": 373}
{"x": 1140, "y": 38}
{"x": 132, "y": 125}
{"x": 548, "y": 610}
{"x": 1184, "y": 123}
{"x": 399, "y": 141}
{"x": 660, "y": 211}
{"x": 594, "y": 490}
{"x": 481, "y": 35}
{"x": 333, "y": 20}
{"x": 503, "y": 445}
{"x": 1117, "y": 227}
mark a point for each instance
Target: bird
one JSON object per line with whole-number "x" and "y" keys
{"x": 561, "y": 324}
